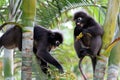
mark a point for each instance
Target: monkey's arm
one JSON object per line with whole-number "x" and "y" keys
{"x": 45, "y": 56}
{"x": 42, "y": 63}
{"x": 96, "y": 44}
{"x": 77, "y": 30}
{"x": 94, "y": 30}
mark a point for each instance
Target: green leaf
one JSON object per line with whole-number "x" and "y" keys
{"x": 110, "y": 46}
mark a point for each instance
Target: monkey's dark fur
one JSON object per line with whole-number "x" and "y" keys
{"x": 44, "y": 41}
{"x": 12, "y": 38}
{"x": 91, "y": 42}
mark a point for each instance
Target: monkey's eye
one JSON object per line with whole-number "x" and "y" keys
{"x": 79, "y": 19}
{"x": 57, "y": 43}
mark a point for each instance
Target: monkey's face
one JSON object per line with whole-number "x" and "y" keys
{"x": 79, "y": 22}
{"x": 55, "y": 44}
{"x": 57, "y": 39}
{"x": 80, "y": 18}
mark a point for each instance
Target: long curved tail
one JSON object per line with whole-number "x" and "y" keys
{"x": 81, "y": 69}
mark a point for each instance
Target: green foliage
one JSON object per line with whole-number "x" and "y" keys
{"x": 2, "y": 2}
{"x": 3, "y": 11}
{"x": 114, "y": 55}
{"x": 49, "y": 12}
{"x": 7, "y": 68}
{"x": 110, "y": 46}
{"x": 55, "y": 14}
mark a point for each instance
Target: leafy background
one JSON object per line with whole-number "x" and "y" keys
{"x": 58, "y": 15}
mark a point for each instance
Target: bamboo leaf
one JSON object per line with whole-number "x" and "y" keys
{"x": 110, "y": 46}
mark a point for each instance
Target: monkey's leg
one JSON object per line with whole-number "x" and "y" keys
{"x": 42, "y": 63}
{"x": 85, "y": 51}
{"x": 45, "y": 55}
{"x": 0, "y": 42}
{"x": 44, "y": 66}
{"x": 18, "y": 37}
{"x": 95, "y": 46}
{"x": 12, "y": 38}
{"x": 94, "y": 60}
{"x": 7, "y": 39}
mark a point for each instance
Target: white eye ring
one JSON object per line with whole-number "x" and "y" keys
{"x": 80, "y": 18}
{"x": 57, "y": 43}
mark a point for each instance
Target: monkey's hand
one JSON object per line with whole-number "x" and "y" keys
{"x": 85, "y": 32}
{"x": 61, "y": 70}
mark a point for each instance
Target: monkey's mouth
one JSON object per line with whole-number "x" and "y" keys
{"x": 80, "y": 24}
{"x": 53, "y": 47}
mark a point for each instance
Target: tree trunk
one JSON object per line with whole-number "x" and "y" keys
{"x": 109, "y": 28}
{"x": 29, "y": 10}
{"x": 114, "y": 62}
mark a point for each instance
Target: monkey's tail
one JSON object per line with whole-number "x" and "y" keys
{"x": 81, "y": 69}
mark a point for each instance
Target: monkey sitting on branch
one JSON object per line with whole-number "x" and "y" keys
{"x": 87, "y": 38}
